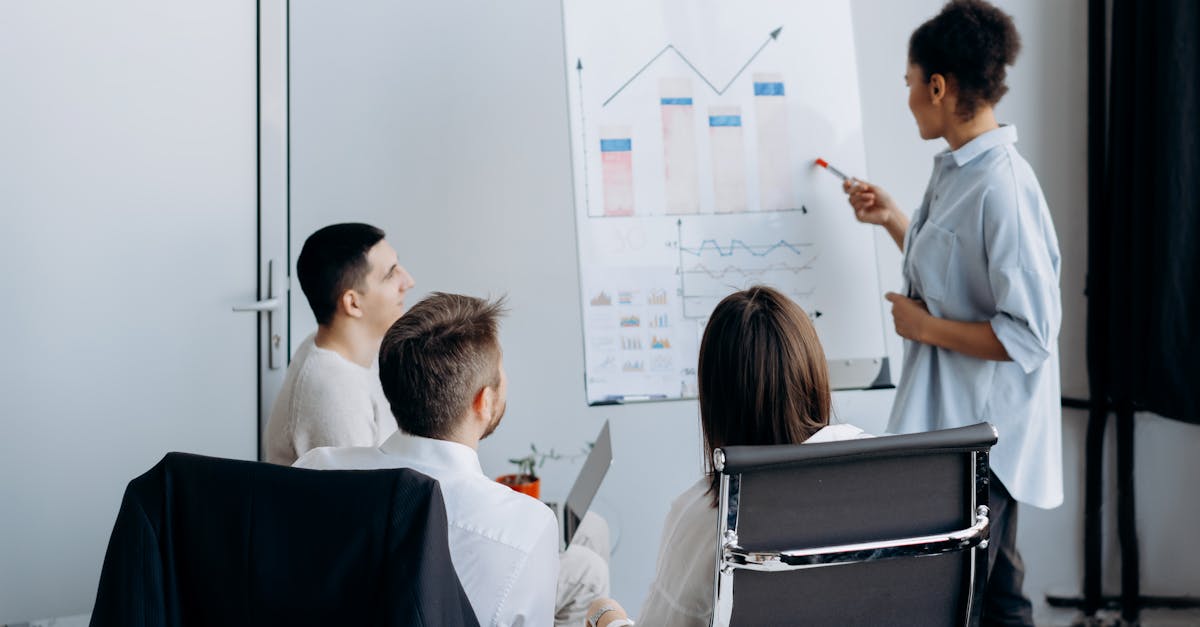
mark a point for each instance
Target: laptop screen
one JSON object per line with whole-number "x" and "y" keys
{"x": 585, "y": 488}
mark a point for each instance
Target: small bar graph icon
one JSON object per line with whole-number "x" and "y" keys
{"x": 729, "y": 159}
{"x": 616, "y": 156}
{"x": 679, "y": 146}
{"x": 774, "y": 165}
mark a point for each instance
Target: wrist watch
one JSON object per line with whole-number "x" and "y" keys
{"x": 594, "y": 619}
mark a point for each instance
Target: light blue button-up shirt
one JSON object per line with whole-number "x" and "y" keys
{"x": 982, "y": 247}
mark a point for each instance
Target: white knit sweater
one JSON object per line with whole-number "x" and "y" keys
{"x": 326, "y": 400}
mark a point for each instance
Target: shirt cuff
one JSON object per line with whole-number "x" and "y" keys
{"x": 1019, "y": 342}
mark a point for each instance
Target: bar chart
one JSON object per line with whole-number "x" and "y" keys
{"x": 774, "y": 163}
{"x": 681, "y": 175}
{"x": 728, "y": 174}
{"x": 616, "y": 150}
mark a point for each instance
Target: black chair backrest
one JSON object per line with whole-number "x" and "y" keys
{"x": 809, "y": 496}
{"x": 207, "y": 541}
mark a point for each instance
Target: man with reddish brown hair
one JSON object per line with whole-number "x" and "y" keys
{"x": 442, "y": 371}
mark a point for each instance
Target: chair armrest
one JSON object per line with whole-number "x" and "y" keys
{"x": 976, "y": 535}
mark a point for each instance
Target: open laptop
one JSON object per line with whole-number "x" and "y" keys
{"x": 579, "y": 499}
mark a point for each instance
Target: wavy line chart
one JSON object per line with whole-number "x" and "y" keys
{"x": 743, "y": 273}
{"x": 736, "y": 245}
{"x": 713, "y": 268}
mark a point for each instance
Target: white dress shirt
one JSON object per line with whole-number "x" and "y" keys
{"x": 504, "y": 545}
{"x": 682, "y": 592}
{"x": 982, "y": 247}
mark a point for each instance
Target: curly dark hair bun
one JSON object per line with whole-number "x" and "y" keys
{"x": 970, "y": 42}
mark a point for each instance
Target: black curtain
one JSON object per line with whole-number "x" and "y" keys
{"x": 1143, "y": 281}
{"x": 1147, "y": 220}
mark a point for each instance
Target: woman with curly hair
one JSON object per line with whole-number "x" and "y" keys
{"x": 981, "y": 310}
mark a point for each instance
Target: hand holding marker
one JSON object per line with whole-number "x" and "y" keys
{"x": 838, "y": 173}
{"x": 871, "y": 204}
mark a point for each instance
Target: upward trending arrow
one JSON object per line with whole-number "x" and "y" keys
{"x": 773, "y": 36}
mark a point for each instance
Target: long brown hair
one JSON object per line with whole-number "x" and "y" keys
{"x": 762, "y": 374}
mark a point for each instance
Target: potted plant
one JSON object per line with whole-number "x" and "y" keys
{"x": 525, "y": 480}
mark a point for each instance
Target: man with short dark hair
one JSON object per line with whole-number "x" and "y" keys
{"x": 442, "y": 372}
{"x": 331, "y": 395}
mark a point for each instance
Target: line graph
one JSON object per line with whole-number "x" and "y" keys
{"x": 736, "y": 245}
{"x": 748, "y": 273}
{"x": 720, "y": 91}
{"x": 714, "y": 268}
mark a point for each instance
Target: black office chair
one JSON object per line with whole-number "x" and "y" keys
{"x": 207, "y": 541}
{"x": 880, "y": 531}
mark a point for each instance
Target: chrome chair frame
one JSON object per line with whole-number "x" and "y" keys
{"x": 731, "y": 556}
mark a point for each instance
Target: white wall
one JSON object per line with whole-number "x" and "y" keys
{"x": 127, "y": 217}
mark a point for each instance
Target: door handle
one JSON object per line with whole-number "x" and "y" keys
{"x": 270, "y": 306}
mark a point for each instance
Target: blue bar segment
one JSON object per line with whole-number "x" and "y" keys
{"x": 724, "y": 120}
{"x": 768, "y": 89}
{"x": 616, "y": 145}
{"x": 677, "y": 101}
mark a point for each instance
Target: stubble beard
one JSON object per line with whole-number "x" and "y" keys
{"x": 491, "y": 428}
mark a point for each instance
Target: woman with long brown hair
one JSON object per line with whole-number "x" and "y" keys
{"x": 762, "y": 380}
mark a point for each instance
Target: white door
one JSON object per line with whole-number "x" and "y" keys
{"x": 128, "y": 217}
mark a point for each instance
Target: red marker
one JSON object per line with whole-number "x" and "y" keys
{"x": 836, "y": 172}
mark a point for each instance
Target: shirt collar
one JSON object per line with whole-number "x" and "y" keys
{"x": 835, "y": 433}
{"x": 1006, "y": 134}
{"x": 434, "y": 453}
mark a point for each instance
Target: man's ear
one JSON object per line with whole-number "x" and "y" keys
{"x": 483, "y": 402}
{"x": 350, "y": 303}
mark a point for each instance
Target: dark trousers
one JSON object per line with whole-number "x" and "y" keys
{"x": 1003, "y": 601}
